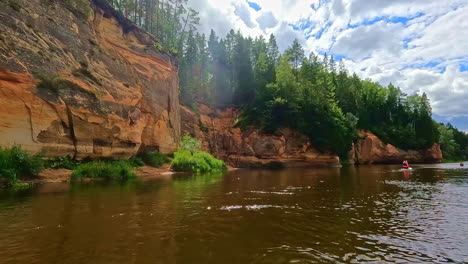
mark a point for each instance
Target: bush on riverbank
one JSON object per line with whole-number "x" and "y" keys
{"x": 62, "y": 162}
{"x": 15, "y": 163}
{"x": 154, "y": 159}
{"x": 189, "y": 158}
{"x": 120, "y": 170}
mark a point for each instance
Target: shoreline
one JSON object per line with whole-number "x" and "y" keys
{"x": 143, "y": 173}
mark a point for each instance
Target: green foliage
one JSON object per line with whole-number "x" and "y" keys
{"x": 92, "y": 42}
{"x": 84, "y": 64}
{"x": 15, "y": 5}
{"x": 155, "y": 159}
{"x": 114, "y": 170}
{"x": 136, "y": 162}
{"x": 197, "y": 162}
{"x": 189, "y": 158}
{"x": 189, "y": 144}
{"x": 84, "y": 72}
{"x": 15, "y": 163}
{"x": 54, "y": 84}
{"x": 454, "y": 143}
{"x": 79, "y": 7}
{"x": 62, "y": 162}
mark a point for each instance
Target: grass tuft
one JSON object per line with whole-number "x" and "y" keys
{"x": 62, "y": 162}
{"x": 114, "y": 170}
{"x": 154, "y": 159}
{"x": 54, "y": 84}
{"x": 15, "y": 5}
{"x": 84, "y": 72}
{"x": 92, "y": 42}
{"x": 136, "y": 162}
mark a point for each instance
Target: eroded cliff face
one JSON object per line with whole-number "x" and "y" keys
{"x": 371, "y": 150}
{"x": 108, "y": 91}
{"x": 250, "y": 148}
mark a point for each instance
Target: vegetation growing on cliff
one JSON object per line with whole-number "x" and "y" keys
{"x": 189, "y": 158}
{"x": 62, "y": 162}
{"x": 15, "y": 164}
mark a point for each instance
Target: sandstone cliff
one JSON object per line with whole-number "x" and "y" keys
{"x": 371, "y": 150}
{"x": 251, "y": 148}
{"x": 76, "y": 78}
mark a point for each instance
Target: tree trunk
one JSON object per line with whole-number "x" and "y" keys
{"x": 158, "y": 15}
{"x": 135, "y": 9}
{"x": 140, "y": 13}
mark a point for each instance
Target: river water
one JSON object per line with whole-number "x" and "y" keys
{"x": 367, "y": 214}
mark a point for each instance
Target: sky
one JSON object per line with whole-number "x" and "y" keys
{"x": 418, "y": 45}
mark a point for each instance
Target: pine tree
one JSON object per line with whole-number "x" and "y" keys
{"x": 295, "y": 54}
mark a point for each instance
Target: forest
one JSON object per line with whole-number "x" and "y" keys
{"x": 312, "y": 93}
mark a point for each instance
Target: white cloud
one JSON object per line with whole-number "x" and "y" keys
{"x": 361, "y": 42}
{"x": 243, "y": 11}
{"x": 415, "y": 44}
{"x": 267, "y": 20}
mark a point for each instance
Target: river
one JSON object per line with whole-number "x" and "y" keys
{"x": 367, "y": 214}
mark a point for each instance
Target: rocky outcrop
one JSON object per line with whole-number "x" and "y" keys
{"x": 77, "y": 78}
{"x": 250, "y": 148}
{"x": 371, "y": 150}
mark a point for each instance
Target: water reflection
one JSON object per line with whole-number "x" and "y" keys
{"x": 349, "y": 215}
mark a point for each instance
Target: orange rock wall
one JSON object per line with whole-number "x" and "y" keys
{"x": 133, "y": 106}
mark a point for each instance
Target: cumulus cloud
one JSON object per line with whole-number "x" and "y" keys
{"x": 363, "y": 41}
{"x": 243, "y": 11}
{"x": 267, "y": 20}
{"x": 338, "y": 7}
{"x": 445, "y": 38}
{"x": 285, "y": 35}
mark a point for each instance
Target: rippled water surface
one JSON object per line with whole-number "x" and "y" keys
{"x": 368, "y": 214}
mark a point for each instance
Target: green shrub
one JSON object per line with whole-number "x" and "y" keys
{"x": 198, "y": 162}
{"x": 79, "y": 8}
{"x": 54, "y": 83}
{"x": 84, "y": 72}
{"x": 189, "y": 158}
{"x": 62, "y": 162}
{"x": 154, "y": 159}
{"x": 16, "y": 163}
{"x": 189, "y": 144}
{"x": 136, "y": 162}
{"x": 83, "y": 64}
{"x": 114, "y": 170}
{"x": 182, "y": 161}
{"x": 15, "y": 5}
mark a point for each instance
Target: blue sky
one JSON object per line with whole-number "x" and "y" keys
{"x": 418, "y": 45}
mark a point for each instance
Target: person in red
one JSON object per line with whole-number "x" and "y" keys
{"x": 405, "y": 164}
